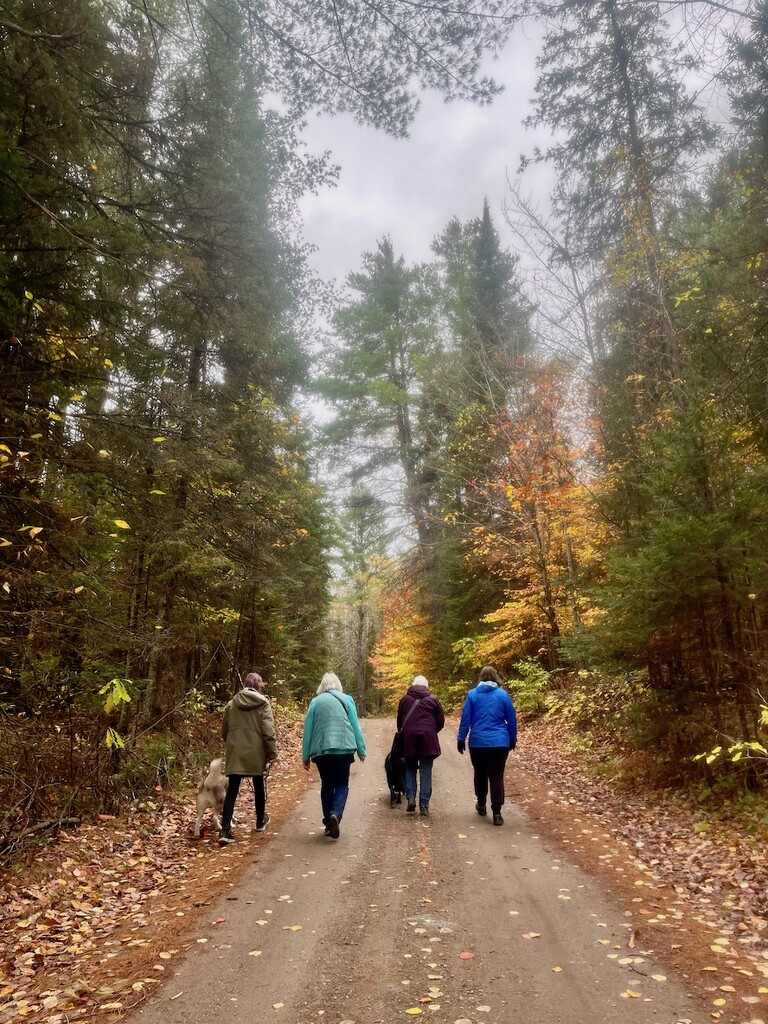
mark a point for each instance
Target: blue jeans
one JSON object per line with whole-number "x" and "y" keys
{"x": 424, "y": 767}
{"x": 334, "y": 782}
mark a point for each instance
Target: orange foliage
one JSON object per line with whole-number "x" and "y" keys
{"x": 404, "y": 643}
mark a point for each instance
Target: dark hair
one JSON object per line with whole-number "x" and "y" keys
{"x": 488, "y": 674}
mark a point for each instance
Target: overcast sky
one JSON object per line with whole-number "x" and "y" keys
{"x": 457, "y": 155}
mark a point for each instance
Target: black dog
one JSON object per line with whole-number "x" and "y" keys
{"x": 394, "y": 766}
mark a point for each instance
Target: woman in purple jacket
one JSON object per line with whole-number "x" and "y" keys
{"x": 489, "y": 718}
{"x": 420, "y": 717}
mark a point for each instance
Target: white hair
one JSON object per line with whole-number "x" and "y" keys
{"x": 420, "y": 681}
{"x": 330, "y": 681}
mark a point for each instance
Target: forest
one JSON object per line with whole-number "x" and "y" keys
{"x": 549, "y": 454}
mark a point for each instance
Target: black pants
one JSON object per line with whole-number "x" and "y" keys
{"x": 233, "y": 788}
{"x": 489, "y": 763}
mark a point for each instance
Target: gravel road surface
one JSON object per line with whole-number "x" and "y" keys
{"x": 445, "y": 918}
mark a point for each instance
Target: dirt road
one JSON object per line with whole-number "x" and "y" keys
{"x": 378, "y": 926}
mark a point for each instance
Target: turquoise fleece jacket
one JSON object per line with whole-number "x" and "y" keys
{"x": 330, "y": 729}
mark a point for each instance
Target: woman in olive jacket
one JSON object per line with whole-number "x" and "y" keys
{"x": 249, "y": 732}
{"x": 420, "y": 717}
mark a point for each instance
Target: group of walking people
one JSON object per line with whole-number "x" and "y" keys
{"x": 333, "y": 736}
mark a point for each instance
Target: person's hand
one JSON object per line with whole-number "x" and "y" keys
{"x": 307, "y": 763}
{"x": 460, "y": 746}
{"x": 361, "y": 756}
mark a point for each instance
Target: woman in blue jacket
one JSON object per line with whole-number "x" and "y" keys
{"x": 488, "y": 717}
{"x": 332, "y": 737}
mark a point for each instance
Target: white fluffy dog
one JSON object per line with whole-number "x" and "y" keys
{"x": 211, "y": 793}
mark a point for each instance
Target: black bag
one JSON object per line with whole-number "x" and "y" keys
{"x": 396, "y": 750}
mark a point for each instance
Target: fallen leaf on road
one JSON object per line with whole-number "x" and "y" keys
{"x": 255, "y": 952}
{"x": 466, "y": 955}
{"x": 659, "y": 977}
{"x": 462, "y": 836}
{"x": 556, "y": 970}
{"x": 277, "y": 1006}
{"x": 630, "y": 994}
{"x": 414, "y": 1010}
{"x": 483, "y": 1009}
{"x": 531, "y": 935}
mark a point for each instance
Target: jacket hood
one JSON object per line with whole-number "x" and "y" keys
{"x": 249, "y": 699}
{"x": 418, "y": 692}
{"x": 487, "y": 684}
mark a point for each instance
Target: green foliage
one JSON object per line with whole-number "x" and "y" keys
{"x": 528, "y": 684}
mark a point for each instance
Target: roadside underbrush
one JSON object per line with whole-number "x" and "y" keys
{"x": 57, "y": 772}
{"x": 626, "y": 733}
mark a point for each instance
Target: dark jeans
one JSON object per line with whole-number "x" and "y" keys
{"x": 424, "y": 767}
{"x": 233, "y": 788}
{"x": 489, "y": 763}
{"x": 334, "y": 782}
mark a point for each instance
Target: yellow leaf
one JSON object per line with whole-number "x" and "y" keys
{"x": 108, "y": 363}
{"x": 34, "y": 530}
{"x": 255, "y": 952}
{"x": 5, "y": 543}
{"x": 556, "y": 970}
{"x": 462, "y": 836}
{"x": 414, "y": 1010}
{"x": 79, "y": 590}
{"x": 717, "y": 949}
{"x": 630, "y": 994}
{"x": 719, "y": 1002}
{"x": 122, "y": 524}
{"x": 28, "y": 295}
{"x": 659, "y": 977}
{"x": 155, "y": 491}
{"x": 158, "y": 440}
{"x": 277, "y": 1006}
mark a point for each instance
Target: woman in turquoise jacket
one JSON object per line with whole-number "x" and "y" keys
{"x": 489, "y": 718}
{"x": 332, "y": 737}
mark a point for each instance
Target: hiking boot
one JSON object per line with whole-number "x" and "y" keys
{"x": 225, "y": 838}
{"x": 498, "y": 820}
{"x": 481, "y": 809}
{"x": 333, "y": 826}
{"x": 411, "y": 808}
{"x": 424, "y": 811}
{"x": 261, "y": 826}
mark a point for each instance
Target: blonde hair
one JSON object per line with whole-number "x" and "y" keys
{"x": 330, "y": 681}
